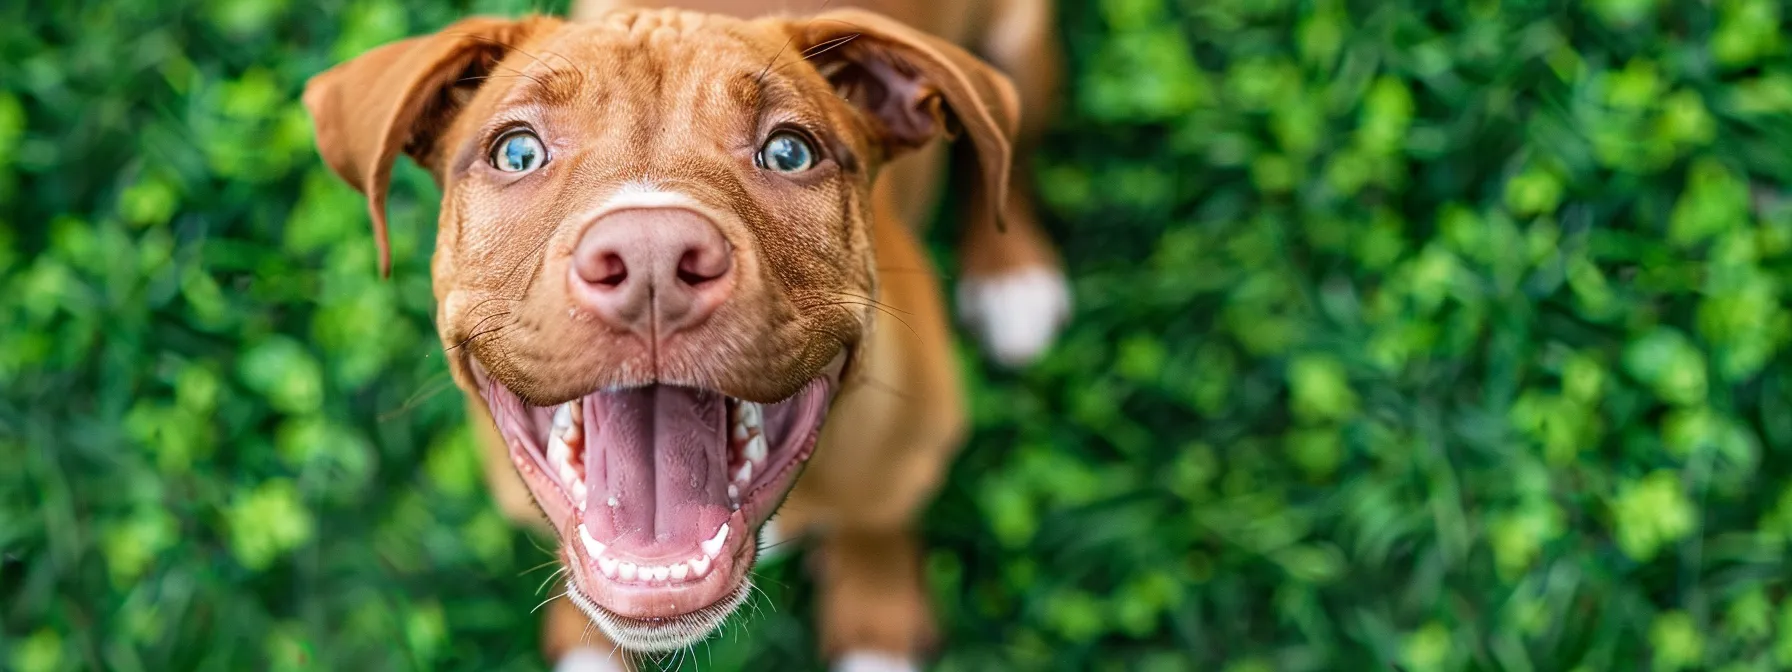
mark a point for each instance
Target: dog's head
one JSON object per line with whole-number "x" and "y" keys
{"x": 653, "y": 261}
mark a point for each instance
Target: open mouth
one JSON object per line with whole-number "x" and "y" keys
{"x": 655, "y": 492}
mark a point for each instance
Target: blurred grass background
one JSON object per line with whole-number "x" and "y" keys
{"x": 1449, "y": 335}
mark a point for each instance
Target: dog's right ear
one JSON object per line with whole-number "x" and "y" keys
{"x": 913, "y": 87}
{"x": 400, "y": 97}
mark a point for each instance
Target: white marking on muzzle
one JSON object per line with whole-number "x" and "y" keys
{"x": 636, "y": 195}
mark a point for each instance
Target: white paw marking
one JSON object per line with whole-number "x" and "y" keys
{"x": 862, "y": 660}
{"x": 773, "y": 545}
{"x": 585, "y": 659}
{"x": 1015, "y": 314}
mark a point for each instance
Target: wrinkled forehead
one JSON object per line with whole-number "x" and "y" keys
{"x": 654, "y": 66}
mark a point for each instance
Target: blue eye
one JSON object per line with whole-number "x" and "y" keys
{"x": 518, "y": 152}
{"x": 787, "y": 152}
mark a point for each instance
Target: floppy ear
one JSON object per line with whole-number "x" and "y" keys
{"x": 914, "y": 87}
{"x": 399, "y": 97}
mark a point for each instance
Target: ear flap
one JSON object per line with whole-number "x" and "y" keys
{"x": 398, "y": 97}
{"x": 914, "y": 87}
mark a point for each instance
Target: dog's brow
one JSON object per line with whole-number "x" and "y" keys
{"x": 558, "y": 86}
{"x": 748, "y": 91}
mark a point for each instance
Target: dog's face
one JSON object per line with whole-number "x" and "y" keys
{"x": 654, "y": 259}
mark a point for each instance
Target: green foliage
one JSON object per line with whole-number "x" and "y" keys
{"x": 1452, "y": 335}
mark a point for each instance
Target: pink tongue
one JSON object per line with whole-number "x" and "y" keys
{"x": 663, "y": 451}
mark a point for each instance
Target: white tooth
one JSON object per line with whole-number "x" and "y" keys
{"x": 626, "y": 571}
{"x": 750, "y": 415}
{"x": 567, "y": 475}
{"x": 579, "y": 493}
{"x": 607, "y": 566}
{"x": 577, "y": 412}
{"x": 740, "y": 432}
{"x": 713, "y": 547}
{"x": 563, "y": 416}
{"x": 572, "y": 435}
{"x": 558, "y": 454}
{"x": 733, "y": 492}
{"x": 592, "y": 546}
{"x": 679, "y": 571}
{"x": 756, "y": 449}
{"x": 660, "y": 573}
{"x": 745, "y": 475}
{"x": 700, "y": 566}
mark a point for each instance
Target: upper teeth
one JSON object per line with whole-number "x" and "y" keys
{"x": 749, "y": 440}
{"x": 567, "y": 435}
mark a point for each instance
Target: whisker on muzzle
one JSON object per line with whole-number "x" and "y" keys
{"x": 475, "y": 307}
{"x": 551, "y": 577}
{"x": 851, "y": 295}
{"x": 477, "y": 334}
{"x": 546, "y": 601}
{"x": 874, "y": 306}
{"x": 437, "y": 384}
{"x": 536, "y": 568}
{"x": 553, "y": 554}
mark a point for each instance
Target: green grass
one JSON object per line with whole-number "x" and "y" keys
{"x": 1450, "y": 335}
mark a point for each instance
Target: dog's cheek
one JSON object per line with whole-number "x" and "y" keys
{"x": 441, "y": 272}
{"x": 862, "y": 274}
{"x": 446, "y": 260}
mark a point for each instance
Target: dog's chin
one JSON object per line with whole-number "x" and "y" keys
{"x": 657, "y": 493}
{"x": 660, "y": 635}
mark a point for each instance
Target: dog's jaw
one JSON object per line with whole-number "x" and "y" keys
{"x": 658, "y": 563}
{"x": 661, "y": 635}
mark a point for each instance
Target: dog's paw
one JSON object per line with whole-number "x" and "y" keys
{"x": 861, "y": 660}
{"x": 1015, "y": 314}
{"x": 585, "y": 659}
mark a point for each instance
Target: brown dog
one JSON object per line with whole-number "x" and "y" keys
{"x": 663, "y": 277}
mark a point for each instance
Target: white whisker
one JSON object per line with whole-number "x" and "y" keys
{"x": 545, "y": 602}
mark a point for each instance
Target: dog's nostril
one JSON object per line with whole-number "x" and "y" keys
{"x": 612, "y": 271}
{"x": 700, "y": 266}
{"x": 692, "y": 279}
{"x": 607, "y": 269}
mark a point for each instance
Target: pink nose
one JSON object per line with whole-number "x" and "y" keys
{"x": 654, "y": 272}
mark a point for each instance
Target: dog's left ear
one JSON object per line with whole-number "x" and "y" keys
{"x": 913, "y": 87}
{"x": 401, "y": 97}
